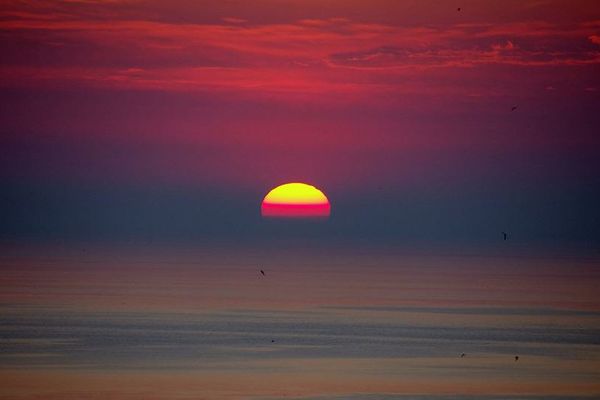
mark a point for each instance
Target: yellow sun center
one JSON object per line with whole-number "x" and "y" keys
{"x": 295, "y": 200}
{"x": 295, "y": 193}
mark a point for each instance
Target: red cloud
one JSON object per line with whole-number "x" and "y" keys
{"x": 54, "y": 44}
{"x": 504, "y": 47}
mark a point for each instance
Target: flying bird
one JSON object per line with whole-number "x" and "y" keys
{"x": 513, "y": 108}
{"x": 505, "y": 235}
{"x": 272, "y": 340}
{"x": 262, "y": 272}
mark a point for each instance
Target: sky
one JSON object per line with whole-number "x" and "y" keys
{"x": 171, "y": 120}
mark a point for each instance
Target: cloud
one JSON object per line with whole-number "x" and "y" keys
{"x": 233, "y": 20}
{"x": 504, "y": 47}
{"x": 594, "y": 39}
{"x": 103, "y": 45}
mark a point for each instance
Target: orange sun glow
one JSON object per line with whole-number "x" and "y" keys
{"x": 295, "y": 200}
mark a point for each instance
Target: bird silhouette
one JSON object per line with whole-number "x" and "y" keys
{"x": 505, "y": 235}
{"x": 513, "y": 108}
{"x": 516, "y": 358}
{"x": 463, "y": 355}
{"x": 262, "y": 272}
{"x": 458, "y": 9}
{"x": 272, "y": 340}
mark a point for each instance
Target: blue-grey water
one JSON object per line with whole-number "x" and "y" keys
{"x": 318, "y": 325}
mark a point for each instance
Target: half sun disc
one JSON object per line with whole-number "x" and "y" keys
{"x": 295, "y": 200}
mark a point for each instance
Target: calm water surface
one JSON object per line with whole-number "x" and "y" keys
{"x": 325, "y": 322}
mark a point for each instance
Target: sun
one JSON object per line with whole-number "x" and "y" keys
{"x": 295, "y": 200}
